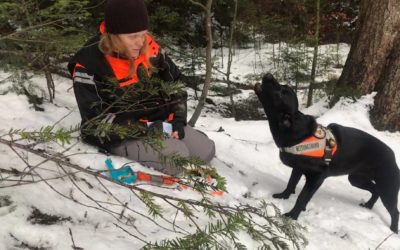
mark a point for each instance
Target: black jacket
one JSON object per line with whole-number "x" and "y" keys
{"x": 95, "y": 90}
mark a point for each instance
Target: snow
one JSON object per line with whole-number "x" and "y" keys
{"x": 246, "y": 156}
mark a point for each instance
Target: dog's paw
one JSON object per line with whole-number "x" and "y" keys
{"x": 281, "y": 196}
{"x": 366, "y": 205}
{"x": 284, "y": 195}
{"x": 290, "y": 215}
{"x": 394, "y": 229}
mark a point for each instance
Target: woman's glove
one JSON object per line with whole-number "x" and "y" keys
{"x": 180, "y": 128}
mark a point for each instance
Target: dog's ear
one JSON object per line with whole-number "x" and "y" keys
{"x": 257, "y": 88}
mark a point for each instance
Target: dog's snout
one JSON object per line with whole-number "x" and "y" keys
{"x": 257, "y": 88}
{"x": 268, "y": 77}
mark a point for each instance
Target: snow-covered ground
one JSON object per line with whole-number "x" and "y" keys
{"x": 246, "y": 156}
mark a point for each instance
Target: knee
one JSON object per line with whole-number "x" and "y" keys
{"x": 211, "y": 151}
{"x": 199, "y": 144}
{"x": 173, "y": 146}
{"x": 206, "y": 151}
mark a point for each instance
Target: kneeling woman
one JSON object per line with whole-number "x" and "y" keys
{"x": 119, "y": 54}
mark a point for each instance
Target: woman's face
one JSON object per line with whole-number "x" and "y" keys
{"x": 133, "y": 42}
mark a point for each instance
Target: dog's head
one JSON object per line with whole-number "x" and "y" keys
{"x": 279, "y": 101}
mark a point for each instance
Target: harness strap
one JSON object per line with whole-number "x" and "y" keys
{"x": 322, "y": 144}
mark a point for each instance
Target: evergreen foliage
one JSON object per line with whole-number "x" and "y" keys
{"x": 270, "y": 231}
{"x": 33, "y": 32}
{"x": 38, "y": 35}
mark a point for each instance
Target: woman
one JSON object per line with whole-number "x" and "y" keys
{"x": 122, "y": 55}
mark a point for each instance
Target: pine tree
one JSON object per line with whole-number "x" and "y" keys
{"x": 37, "y": 36}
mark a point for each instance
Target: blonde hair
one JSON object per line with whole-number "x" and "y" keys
{"x": 110, "y": 43}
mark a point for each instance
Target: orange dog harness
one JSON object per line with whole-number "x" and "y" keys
{"x": 322, "y": 144}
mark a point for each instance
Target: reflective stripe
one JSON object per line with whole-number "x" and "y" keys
{"x": 84, "y": 75}
{"x": 109, "y": 118}
{"x": 311, "y": 147}
{"x": 314, "y": 146}
{"x": 84, "y": 80}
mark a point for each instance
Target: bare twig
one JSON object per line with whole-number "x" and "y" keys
{"x": 126, "y": 231}
{"x": 199, "y": 206}
{"x": 384, "y": 240}
{"x": 199, "y": 4}
{"x": 134, "y": 211}
{"x": 74, "y": 247}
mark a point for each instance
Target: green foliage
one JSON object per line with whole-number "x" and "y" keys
{"x": 47, "y": 134}
{"x": 33, "y": 34}
{"x": 223, "y": 90}
{"x": 225, "y": 224}
{"x": 270, "y": 231}
{"x": 21, "y": 83}
{"x": 187, "y": 212}
{"x": 177, "y": 20}
{"x": 246, "y": 109}
{"x": 191, "y": 60}
{"x": 144, "y": 94}
{"x": 294, "y": 63}
{"x": 134, "y": 100}
{"x": 155, "y": 210}
{"x": 344, "y": 91}
{"x": 106, "y": 130}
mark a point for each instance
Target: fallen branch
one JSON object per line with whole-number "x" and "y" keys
{"x": 269, "y": 230}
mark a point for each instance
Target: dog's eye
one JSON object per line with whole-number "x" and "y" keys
{"x": 277, "y": 95}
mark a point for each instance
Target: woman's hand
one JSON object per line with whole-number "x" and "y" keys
{"x": 178, "y": 130}
{"x": 175, "y": 135}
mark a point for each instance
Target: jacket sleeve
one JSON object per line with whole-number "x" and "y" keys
{"x": 93, "y": 104}
{"x": 169, "y": 72}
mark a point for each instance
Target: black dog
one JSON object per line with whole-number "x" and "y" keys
{"x": 370, "y": 163}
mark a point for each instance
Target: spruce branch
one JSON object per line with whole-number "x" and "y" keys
{"x": 235, "y": 219}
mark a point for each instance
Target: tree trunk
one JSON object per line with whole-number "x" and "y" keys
{"x": 315, "y": 59}
{"x": 230, "y": 58}
{"x": 379, "y": 23}
{"x": 386, "y": 112}
{"x": 207, "y": 82}
{"x": 49, "y": 78}
{"x": 373, "y": 63}
{"x": 221, "y": 34}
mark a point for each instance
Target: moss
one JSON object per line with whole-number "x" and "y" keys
{"x": 336, "y": 92}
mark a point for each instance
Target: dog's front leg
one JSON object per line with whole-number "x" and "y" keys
{"x": 291, "y": 187}
{"x": 313, "y": 182}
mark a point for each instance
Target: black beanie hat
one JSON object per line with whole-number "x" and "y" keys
{"x": 126, "y": 16}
